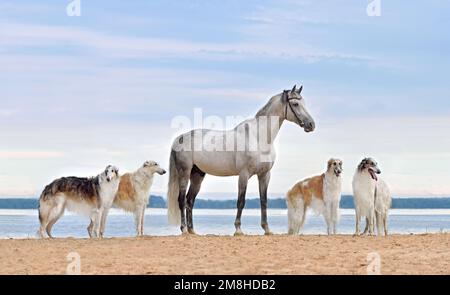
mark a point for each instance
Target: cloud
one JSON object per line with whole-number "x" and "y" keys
{"x": 8, "y": 112}
{"x": 88, "y": 41}
{"x": 30, "y": 154}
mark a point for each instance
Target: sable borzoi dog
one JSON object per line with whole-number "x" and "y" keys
{"x": 372, "y": 197}
{"x": 134, "y": 190}
{"x": 322, "y": 193}
{"x": 91, "y": 197}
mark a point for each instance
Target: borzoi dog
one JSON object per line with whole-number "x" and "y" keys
{"x": 134, "y": 190}
{"x": 91, "y": 197}
{"x": 372, "y": 197}
{"x": 322, "y": 193}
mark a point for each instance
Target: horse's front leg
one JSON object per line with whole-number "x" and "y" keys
{"x": 243, "y": 180}
{"x": 263, "y": 185}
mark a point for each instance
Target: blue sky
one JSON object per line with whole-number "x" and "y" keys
{"x": 78, "y": 93}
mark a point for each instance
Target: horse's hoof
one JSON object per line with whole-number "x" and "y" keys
{"x": 268, "y": 233}
{"x": 239, "y": 233}
{"x": 192, "y": 232}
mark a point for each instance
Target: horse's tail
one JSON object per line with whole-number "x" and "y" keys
{"x": 173, "y": 208}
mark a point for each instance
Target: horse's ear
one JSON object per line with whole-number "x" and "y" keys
{"x": 284, "y": 96}
{"x": 294, "y": 89}
{"x": 300, "y": 89}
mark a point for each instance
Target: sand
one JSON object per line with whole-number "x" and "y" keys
{"x": 277, "y": 254}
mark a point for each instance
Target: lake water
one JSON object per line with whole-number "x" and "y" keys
{"x": 24, "y": 223}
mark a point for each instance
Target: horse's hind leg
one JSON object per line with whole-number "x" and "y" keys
{"x": 183, "y": 176}
{"x": 263, "y": 184}
{"x": 243, "y": 180}
{"x": 197, "y": 177}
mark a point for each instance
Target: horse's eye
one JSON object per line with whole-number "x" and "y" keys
{"x": 295, "y": 104}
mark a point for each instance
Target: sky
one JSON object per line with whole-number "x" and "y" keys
{"x": 80, "y": 92}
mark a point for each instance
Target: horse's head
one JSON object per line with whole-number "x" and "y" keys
{"x": 295, "y": 110}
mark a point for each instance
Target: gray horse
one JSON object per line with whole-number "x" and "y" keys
{"x": 244, "y": 151}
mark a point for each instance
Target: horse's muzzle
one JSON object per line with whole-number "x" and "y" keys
{"x": 309, "y": 126}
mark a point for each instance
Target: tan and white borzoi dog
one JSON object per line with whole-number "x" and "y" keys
{"x": 372, "y": 198}
{"x": 91, "y": 197}
{"x": 134, "y": 192}
{"x": 322, "y": 193}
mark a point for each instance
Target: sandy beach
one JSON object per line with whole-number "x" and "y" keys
{"x": 278, "y": 254}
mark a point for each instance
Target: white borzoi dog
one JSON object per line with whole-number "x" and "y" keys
{"x": 322, "y": 193}
{"x": 134, "y": 192}
{"x": 372, "y": 198}
{"x": 92, "y": 197}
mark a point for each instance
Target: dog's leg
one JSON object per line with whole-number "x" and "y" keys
{"x": 105, "y": 212}
{"x": 374, "y": 224}
{"x": 142, "y": 219}
{"x": 42, "y": 230}
{"x": 328, "y": 218}
{"x": 335, "y": 216}
{"x": 97, "y": 221}
{"x": 292, "y": 215}
{"x": 137, "y": 221}
{"x": 358, "y": 219}
{"x": 371, "y": 223}
{"x": 366, "y": 229}
{"x": 379, "y": 223}
{"x": 91, "y": 227}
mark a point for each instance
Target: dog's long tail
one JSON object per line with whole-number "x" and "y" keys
{"x": 41, "y": 232}
{"x": 173, "y": 209}
{"x": 296, "y": 213}
{"x": 44, "y": 195}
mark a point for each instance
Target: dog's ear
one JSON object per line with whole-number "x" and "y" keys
{"x": 362, "y": 164}
{"x": 330, "y": 162}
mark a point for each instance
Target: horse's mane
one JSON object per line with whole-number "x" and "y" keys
{"x": 265, "y": 109}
